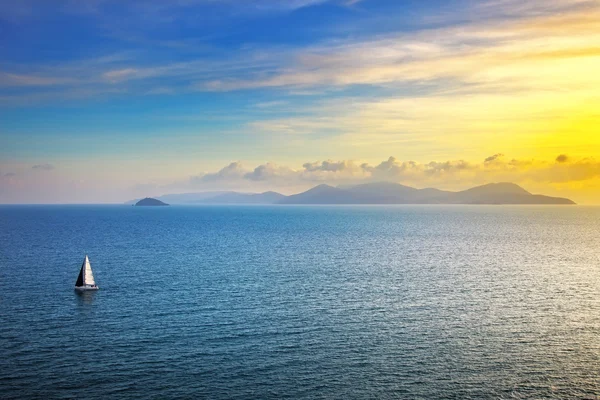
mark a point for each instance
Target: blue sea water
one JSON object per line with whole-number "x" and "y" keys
{"x": 349, "y": 302}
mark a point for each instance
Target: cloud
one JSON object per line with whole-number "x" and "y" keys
{"x": 43, "y": 167}
{"x": 149, "y": 9}
{"x": 233, "y": 171}
{"x": 493, "y": 158}
{"x": 510, "y": 49}
{"x": 13, "y": 80}
{"x": 283, "y": 4}
{"x": 449, "y": 174}
{"x": 118, "y": 75}
{"x": 10, "y": 174}
{"x": 577, "y": 178}
{"x": 503, "y": 44}
{"x": 270, "y": 172}
{"x": 271, "y": 104}
{"x": 563, "y": 158}
{"x": 333, "y": 166}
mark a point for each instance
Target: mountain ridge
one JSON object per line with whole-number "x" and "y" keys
{"x": 374, "y": 193}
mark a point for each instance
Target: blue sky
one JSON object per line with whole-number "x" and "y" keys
{"x": 128, "y": 98}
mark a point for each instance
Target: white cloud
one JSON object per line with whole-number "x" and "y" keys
{"x": 514, "y": 43}
{"x": 13, "y": 80}
{"x": 435, "y": 173}
{"x": 120, "y": 74}
{"x": 566, "y": 176}
{"x": 233, "y": 171}
{"x": 509, "y": 49}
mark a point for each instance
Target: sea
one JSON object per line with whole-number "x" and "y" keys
{"x": 301, "y": 302}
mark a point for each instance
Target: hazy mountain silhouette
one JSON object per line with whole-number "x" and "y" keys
{"x": 219, "y": 198}
{"x": 243, "y": 198}
{"x": 393, "y": 193}
{"x": 374, "y": 193}
{"x": 504, "y": 193}
{"x": 184, "y": 198}
{"x": 324, "y": 194}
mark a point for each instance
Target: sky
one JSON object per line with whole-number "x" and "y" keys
{"x": 109, "y": 100}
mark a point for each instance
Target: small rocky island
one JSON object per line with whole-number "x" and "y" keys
{"x": 150, "y": 202}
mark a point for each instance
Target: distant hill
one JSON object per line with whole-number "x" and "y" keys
{"x": 393, "y": 193}
{"x": 504, "y": 193}
{"x": 150, "y": 202}
{"x": 219, "y": 198}
{"x": 372, "y": 193}
{"x": 183, "y": 198}
{"x": 243, "y": 198}
{"x": 322, "y": 194}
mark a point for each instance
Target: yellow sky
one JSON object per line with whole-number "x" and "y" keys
{"x": 446, "y": 98}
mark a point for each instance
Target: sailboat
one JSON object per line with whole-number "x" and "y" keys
{"x": 85, "y": 281}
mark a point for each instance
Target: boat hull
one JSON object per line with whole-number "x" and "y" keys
{"x": 86, "y": 288}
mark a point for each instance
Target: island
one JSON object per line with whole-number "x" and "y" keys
{"x": 369, "y": 193}
{"x": 394, "y": 193}
{"x": 150, "y": 202}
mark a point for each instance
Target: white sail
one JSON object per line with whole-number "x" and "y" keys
{"x": 88, "y": 277}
